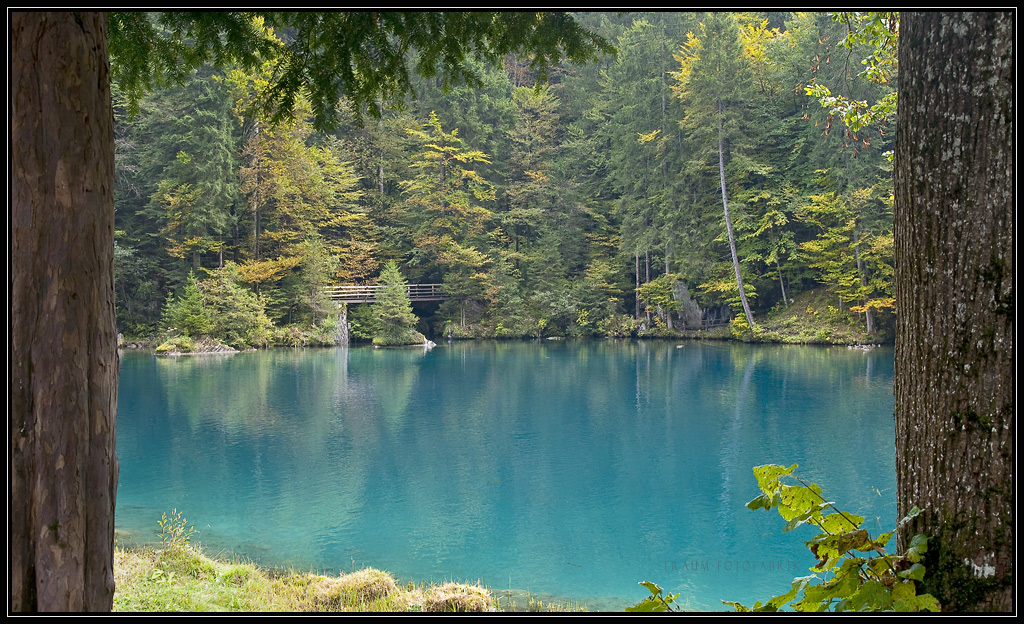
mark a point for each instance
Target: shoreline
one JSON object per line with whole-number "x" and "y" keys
{"x": 503, "y": 600}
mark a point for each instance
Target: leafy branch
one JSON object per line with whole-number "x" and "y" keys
{"x": 842, "y": 579}
{"x": 656, "y": 602}
{"x": 879, "y": 33}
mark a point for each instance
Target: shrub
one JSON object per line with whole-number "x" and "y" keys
{"x": 847, "y": 581}
{"x": 239, "y": 316}
{"x": 188, "y": 313}
{"x": 182, "y": 344}
{"x": 175, "y": 531}
{"x": 617, "y": 326}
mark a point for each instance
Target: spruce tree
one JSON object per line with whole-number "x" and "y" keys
{"x": 393, "y": 311}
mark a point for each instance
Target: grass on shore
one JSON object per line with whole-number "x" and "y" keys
{"x": 814, "y": 318}
{"x": 180, "y": 578}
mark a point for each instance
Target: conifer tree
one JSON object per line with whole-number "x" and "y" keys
{"x": 396, "y": 322}
{"x": 194, "y": 166}
{"x": 716, "y": 85}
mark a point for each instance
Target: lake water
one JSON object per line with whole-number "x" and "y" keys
{"x": 570, "y": 469}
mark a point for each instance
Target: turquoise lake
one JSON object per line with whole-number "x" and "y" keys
{"x": 569, "y": 469}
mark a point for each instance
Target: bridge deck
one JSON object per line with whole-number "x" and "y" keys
{"x": 368, "y": 294}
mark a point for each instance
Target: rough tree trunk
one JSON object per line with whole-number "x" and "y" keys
{"x": 63, "y": 357}
{"x": 954, "y": 297}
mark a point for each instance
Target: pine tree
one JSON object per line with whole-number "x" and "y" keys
{"x": 393, "y": 311}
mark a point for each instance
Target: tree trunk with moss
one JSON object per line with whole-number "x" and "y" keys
{"x": 954, "y": 280}
{"x": 63, "y": 356}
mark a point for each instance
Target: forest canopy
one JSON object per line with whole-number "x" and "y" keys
{"x": 547, "y": 197}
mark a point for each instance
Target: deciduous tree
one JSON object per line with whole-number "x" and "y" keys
{"x": 954, "y": 299}
{"x": 63, "y": 359}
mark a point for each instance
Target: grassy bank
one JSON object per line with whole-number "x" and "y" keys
{"x": 182, "y": 578}
{"x": 820, "y": 317}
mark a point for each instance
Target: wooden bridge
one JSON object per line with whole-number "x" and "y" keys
{"x": 368, "y": 294}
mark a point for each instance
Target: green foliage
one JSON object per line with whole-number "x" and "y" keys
{"x": 396, "y": 322}
{"x": 852, "y": 251}
{"x": 657, "y": 602}
{"x": 180, "y": 344}
{"x": 175, "y": 532}
{"x": 363, "y": 324}
{"x": 219, "y": 307}
{"x": 361, "y": 56}
{"x": 740, "y": 328}
{"x": 658, "y": 294}
{"x": 853, "y": 571}
{"x": 137, "y": 301}
{"x": 239, "y": 318}
{"x": 878, "y": 32}
{"x": 550, "y": 211}
{"x": 618, "y": 326}
{"x": 188, "y": 313}
{"x": 318, "y": 270}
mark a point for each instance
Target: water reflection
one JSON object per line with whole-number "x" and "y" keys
{"x": 573, "y": 468}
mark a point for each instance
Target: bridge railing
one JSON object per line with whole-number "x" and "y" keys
{"x": 368, "y": 294}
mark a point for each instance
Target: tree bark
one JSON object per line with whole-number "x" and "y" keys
{"x": 954, "y": 294}
{"x": 63, "y": 358}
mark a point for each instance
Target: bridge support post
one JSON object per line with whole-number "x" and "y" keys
{"x": 342, "y": 331}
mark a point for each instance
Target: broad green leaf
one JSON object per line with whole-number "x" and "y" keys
{"x": 811, "y": 515}
{"x": 797, "y": 499}
{"x": 913, "y": 513}
{"x": 844, "y": 584}
{"x": 764, "y": 501}
{"x": 647, "y": 605}
{"x": 827, "y": 563}
{"x": 841, "y": 523}
{"x": 656, "y": 603}
{"x": 768, "y": 476}
{"x": 735, "y": 605}
{"x": 837, "y": 545}
{"x": 654, "y": 588}
{"x": 927, "y": 602}
{"x": 799, "y": 584}
{"x": 905, "y": 591}
{"x": 872, "y": 596}
{"x": 918, "y": 546}
{"x": 881, "y": 565}
{"x": 914, "y": 572}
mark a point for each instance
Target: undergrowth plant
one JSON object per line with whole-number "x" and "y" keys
{"x": 174, "y": 530}
{"x": 853, "y": 571}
